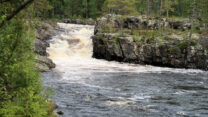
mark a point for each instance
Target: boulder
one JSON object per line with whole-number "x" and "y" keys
{"x": 79, "y": 21}
{"x": 44, "y": 64}
{"x": 128, "y": 48}
{"x": 99, "y": 24}
{"x": 44, "y": 33}
{"x": 107, "y": 47}
{"x": 40, "y": 47}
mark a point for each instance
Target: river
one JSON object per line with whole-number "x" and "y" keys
{"x": 88, "y": 87}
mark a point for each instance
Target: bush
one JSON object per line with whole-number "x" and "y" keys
{"x": 20, "y": 84}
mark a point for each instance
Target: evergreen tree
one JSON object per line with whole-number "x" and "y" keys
{"x": 20, "y": 85}
{"x": 122, "y": 7}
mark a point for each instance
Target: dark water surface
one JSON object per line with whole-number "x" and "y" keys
{"x": 123, "y": 94}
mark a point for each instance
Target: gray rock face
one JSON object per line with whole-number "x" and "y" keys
{"x": 125, "y": 49}
{"x": 128, "y": 48}
{"x": 44, "y": 64}
{"x": 141, "y": 22}
{"x": 106, "y": 48}
{"x": 40, "y": 47}
{"x": 43, "y": 33}
{"x": 171, "y": 50}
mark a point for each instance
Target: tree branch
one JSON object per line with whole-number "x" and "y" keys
{"x": 1, "y": 2}
{"x": 8, "y": 18}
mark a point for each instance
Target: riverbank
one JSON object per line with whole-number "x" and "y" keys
{"x": 160, "y": 42}
{"x": 44, "y": 32}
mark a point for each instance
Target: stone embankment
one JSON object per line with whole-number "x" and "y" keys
{"x": 160, "y": 42}
{"x": 44, "y": 33}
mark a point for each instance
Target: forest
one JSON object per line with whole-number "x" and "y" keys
{"x": 96, "y": 8}
{"x": 21, "y": 90}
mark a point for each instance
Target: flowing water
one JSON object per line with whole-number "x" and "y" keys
{"x": 87, "y": 87}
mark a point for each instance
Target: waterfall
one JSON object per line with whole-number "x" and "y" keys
{"x": 72, "y": 46}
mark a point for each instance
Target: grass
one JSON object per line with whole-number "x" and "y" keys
{"x": 181, "y": 46}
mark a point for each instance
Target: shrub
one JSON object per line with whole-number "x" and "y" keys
{"x": 20, "y": 84}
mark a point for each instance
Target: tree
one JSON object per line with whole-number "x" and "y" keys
{"x": 192, "y": 17}
{"x": 122, "y": 7}
{"x": 148, "y": 9}
{"x": 15, "y": 12}
{"x": 168, "y": 6}
{"x": 21, "y": 92}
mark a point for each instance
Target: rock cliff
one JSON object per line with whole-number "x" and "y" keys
{"x": 159, "y": 42}
{"x": 44, "y": 33}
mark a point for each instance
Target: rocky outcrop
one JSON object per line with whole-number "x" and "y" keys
{"x": 179, "y": 54}
{"x": 79, "y": 21}
{"x": 44, "y": 64}
{"x": 141, "y": 22}
{"x": 171, "y": 50}
{"x": 44, "y": 33}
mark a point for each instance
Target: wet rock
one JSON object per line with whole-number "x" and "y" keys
{"x": 67, "y": 21}
{"x": 79, "y": 21}
{"x": 44, "y": 64}
{"x": 204, "y": 41}
{"x": 106, "y": 47}
{"x": 73, "y": 41}
{"x": 60, "y": 112}
{"x": 90, "y": 22}
{"x": 40, "y": 47}
{"x": 128, "y": 48}
{"x": 99, "y": 24}
{"x": 43, "y": 33}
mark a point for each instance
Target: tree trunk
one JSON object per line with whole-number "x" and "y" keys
{"x": 148, "y": 9}
{"x": 148, "y": 14}
{"x": 161, "y": 6}
{"x": 167, "y": 13}
{"x": 87, "y": 15}
{"x": 192, "y": 18}
{"x": 1, "y": 2}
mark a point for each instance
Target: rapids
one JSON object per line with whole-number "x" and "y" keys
{"x": 88, "y": 87}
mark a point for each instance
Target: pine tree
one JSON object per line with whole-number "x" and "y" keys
{"x": 122, "y": 7}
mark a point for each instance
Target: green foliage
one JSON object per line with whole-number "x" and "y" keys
{"x": 186, "y": 44}
{"x": 94, "y": 8}
{"x": 21, "y": 92}
{"x": 174, "y": 50}
{"x": 75, "y": 8}
{"x": 107, "y": 28}
{"x": 122, "y": 7}
{"x": 20, "y": 83}
{"x": 181, "y": 46}
{"x": 179, "y": 8}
